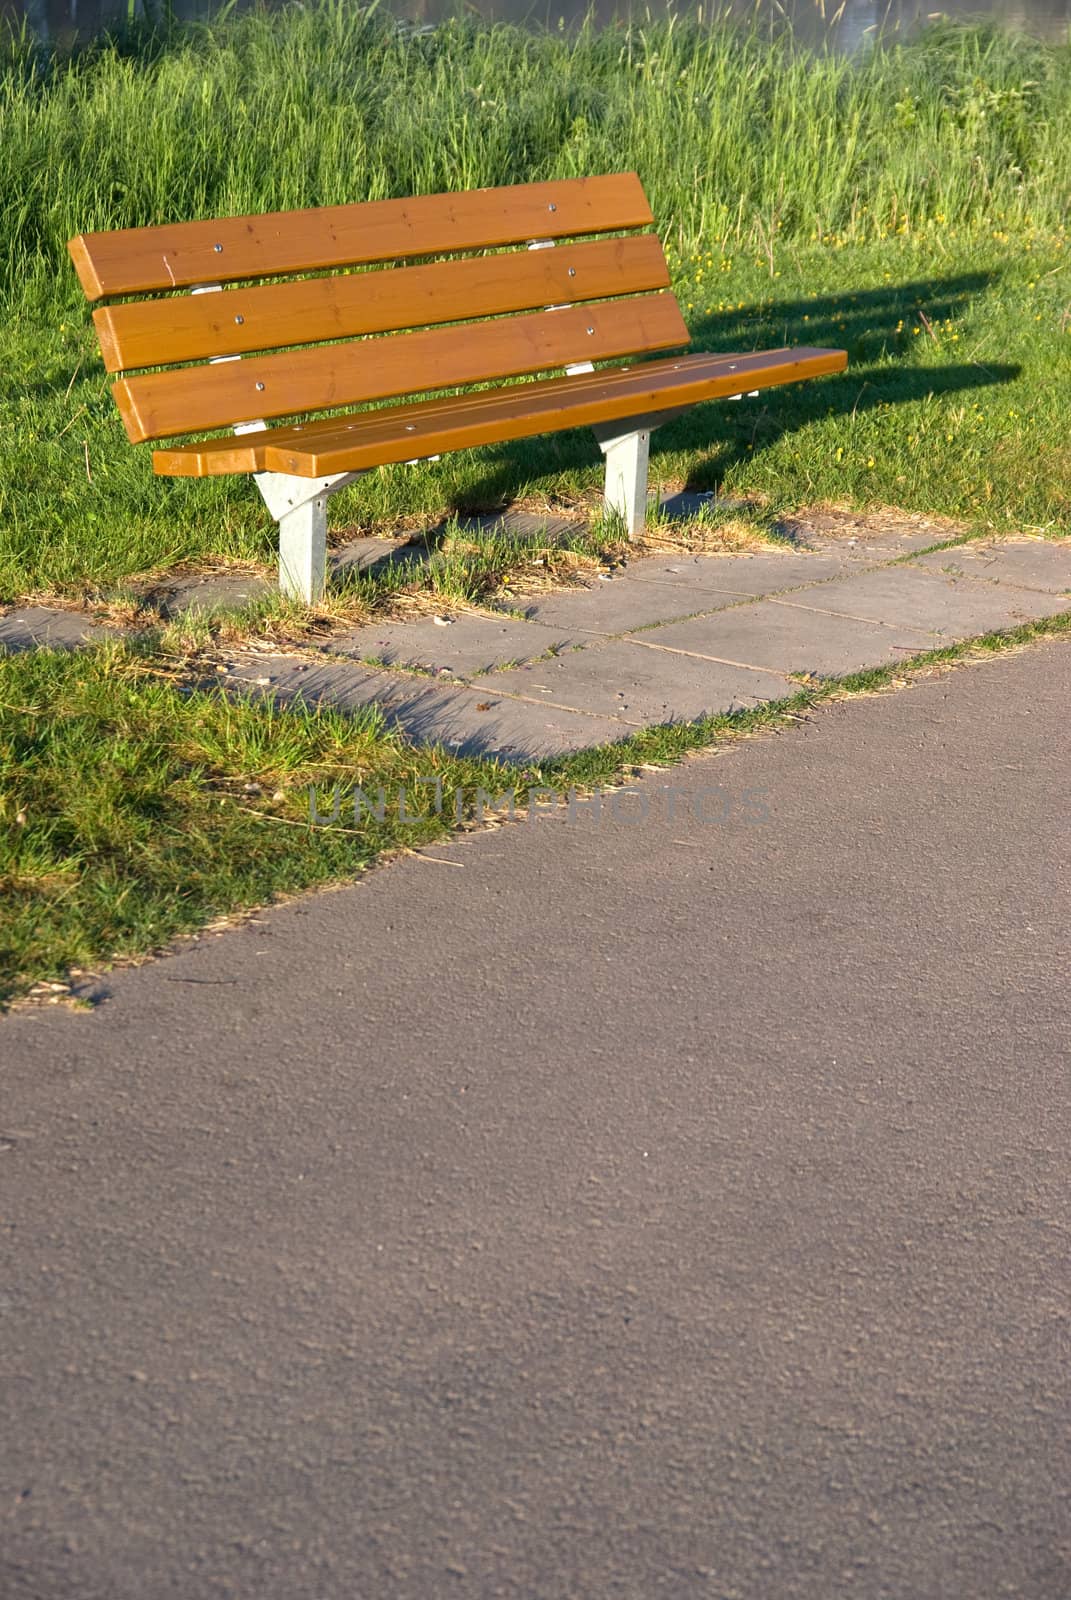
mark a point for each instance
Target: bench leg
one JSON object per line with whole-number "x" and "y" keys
{"x": 303, "y": 550}
{"x": 626, "y": 476}
{"x": 627, "y": 455}
{"x": 299, "y": 505}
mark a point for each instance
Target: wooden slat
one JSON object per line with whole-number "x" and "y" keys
{"x": 400, "y": 433}
{"x": 193, "y": 399}
{"x": 266, "y": 316}
{"x": 176, "y": 255}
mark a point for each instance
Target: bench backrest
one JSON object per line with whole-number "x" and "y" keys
{"x": 255, "y": 350}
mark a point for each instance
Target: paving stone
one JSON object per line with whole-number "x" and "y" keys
{"x": 419, "y": 549}
{"x": 910, "y": 597}
{"x": 526, "y": 527}
{"x": 467, "y": 721}
{"x": 175, "y": 597}
{"x": 879, "y": 549}
{"x": 642, "y": 686}
{"x": 755, "y": 573}
{"x": 825, "y": 525}
{"x": 377, "y": 555}
{"x": 1029, "y": 563}
{"x": 36, "y": 627}
{"x": 781, "y": 638}
{"x": 465, "y": 645}
{"x": 688, "y": 504}
{"x": 617, "y": 605}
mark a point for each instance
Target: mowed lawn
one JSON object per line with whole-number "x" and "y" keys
{"x": 956, "y": 402}
{"x": 909, "y": 207}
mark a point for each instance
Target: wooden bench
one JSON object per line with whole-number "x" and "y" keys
{"x": 331, "y": 339}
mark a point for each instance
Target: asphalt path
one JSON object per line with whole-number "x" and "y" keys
{"x": 672, "y": 1202}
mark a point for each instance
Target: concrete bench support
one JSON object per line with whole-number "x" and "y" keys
{"x": 299, "y": 506}
{"x": 627, "y": 457}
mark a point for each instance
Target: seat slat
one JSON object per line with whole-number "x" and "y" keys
{"x": 400, "y": 433}
{"x": 142, "y": 260}
{"x": 195, "y": 399}
{"x": 266, "y": 316}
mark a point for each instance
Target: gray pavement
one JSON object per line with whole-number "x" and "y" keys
{"x": 569, "y": 668}
{"x": 608, "y": 1207}
{"x": 35, "y": 627}
{"x": 673, "y": 638}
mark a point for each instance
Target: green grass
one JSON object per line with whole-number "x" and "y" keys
{"x": 801, "y": 198}
{"x": 738, "y": 137}
{"x": 909, "y": 205}
{"x": 133, "y": 810}
{"x": 965, "y": 414}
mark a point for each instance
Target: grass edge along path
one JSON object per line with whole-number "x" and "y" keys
{"x": 134, "y": 810}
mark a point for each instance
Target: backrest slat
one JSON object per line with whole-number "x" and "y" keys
{"x": 188, "y": 327}
{"x": 144, "y": 260}
{"x": 193, "y": 399}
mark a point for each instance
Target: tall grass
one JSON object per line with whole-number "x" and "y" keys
{"x": 737, "y": 136}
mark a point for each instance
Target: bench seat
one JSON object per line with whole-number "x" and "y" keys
{"x": 256, "y": 324}
{"x": 356, "y": 443}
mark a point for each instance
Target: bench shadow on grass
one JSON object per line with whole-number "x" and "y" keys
{"x": 863, "y": 324}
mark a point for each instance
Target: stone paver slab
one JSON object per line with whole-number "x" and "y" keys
{"x": 464, "y": 645}
{"x": 467, "y": 721}
{"x": 617, "y": 605}
{"x": 1029, "y": 563}
{"x": 36, "y": 627}
{"x": 789, "y": 639}
{"x": 688, "y": 504}
{"x": 364, "y": 555}
{"x": 878, "y": 550}
{"x": 755, "y": 573}
{"x": 895, "y": 531}
{"x": 178, "y": 596}
{"x": 620, "y": 678}
{"x": 907, "y": 596}
{"x": 525, "y": 527}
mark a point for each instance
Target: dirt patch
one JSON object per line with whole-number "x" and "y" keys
{"x": 843, "y": 522}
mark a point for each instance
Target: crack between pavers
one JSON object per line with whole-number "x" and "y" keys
{"x": 444, "y": 675}
{"x": 742, "y": 599}
{"x": 992, "y": 583}
{"x": 691, "y": 616}
{"x": 660, "y": 583}
{"x": 852, "y": 616}
{"x": 601, "y": 636}
{"x": 970, "y": 578}
{"x": 557, "y": 705}
{"x": 700, "y": 655}
{"x": 876, "y": 622}
{"x": 741, "y": 596}
{"x": 387, "y": 704}
{"x": 476, "y": 690}
{"x": 612, "y": 716}
{"x": 808, "y": 583}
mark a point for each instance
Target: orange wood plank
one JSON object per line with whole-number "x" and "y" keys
{"x": 192, "y": 399}
{"x": 190, "y": 327}
{"x": 176, "y": 255}
{"x": 400, "y": 433}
